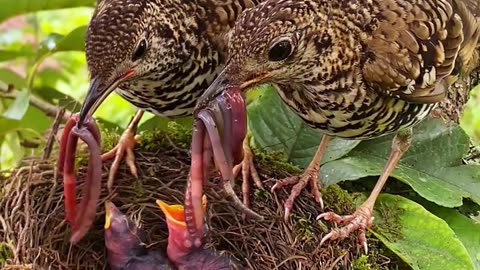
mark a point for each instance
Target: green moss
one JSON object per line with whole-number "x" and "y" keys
{"x": 305, "y": 229}
{"x": 6, "y": 253}
{"x": 338, "y": 200}
{"x": 388, "y": 225}
{"x": 362, "y": 263}
{"x": 275, "y": 162}
{"x": 262, "y": 195}
{"x": 178, "y": 135}
{"x": 139, "y": 189}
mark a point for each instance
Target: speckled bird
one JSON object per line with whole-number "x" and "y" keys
{"x": 353, "y": 69}
{"x": 160, "y": 55}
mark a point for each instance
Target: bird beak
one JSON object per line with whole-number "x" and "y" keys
{"x": 223, "y": 83}
{"x": 179, "y": 243}
{"x": 110, "y": 212}
{"x": 98, "y": 92}
{"x": 175, "y": 214}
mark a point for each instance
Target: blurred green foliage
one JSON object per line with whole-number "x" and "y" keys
{"x": 42, "y": 54}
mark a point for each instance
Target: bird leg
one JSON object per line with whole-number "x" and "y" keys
{"x": 247, "y": 168}
{"x": 362, "y": 218}
{"x": 310, "y": 176}
{"x": 81, "y": 220}
{"x": 125, "y": 147}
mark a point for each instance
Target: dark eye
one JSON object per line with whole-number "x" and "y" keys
{"x": 140, "y": 50}
{"x": 280, "y": 50}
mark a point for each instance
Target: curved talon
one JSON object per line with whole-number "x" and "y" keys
{"x": 299, "y": 183}
{"x": 124, "y": 148}
{"x": 247, "y": 167}
{"x": 359, "y": 221}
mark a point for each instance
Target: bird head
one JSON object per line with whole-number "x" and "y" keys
{"x": 129, "y": 41}
{"x": 285, "y": 42}
{"x": 123, "y": 239}
{"x": 179, "y": 242}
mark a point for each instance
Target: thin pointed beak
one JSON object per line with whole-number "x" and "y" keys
{"x": 218, "y": 86}
{"x": 98, "y": 92}
{"x": 223, "y": 83}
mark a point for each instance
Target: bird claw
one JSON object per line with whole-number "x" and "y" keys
{"x": 124, "y": 148}
{"x": 82, "y": 220}
{"x": 359, "y": 221}
{"x": 247, "y": 167}
{"x": 299, "y": 183}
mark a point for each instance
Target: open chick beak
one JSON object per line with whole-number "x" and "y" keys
{"x": 110, "y": 212}
{"x": 179, "y": 241}
{"x": 98, "y": 91}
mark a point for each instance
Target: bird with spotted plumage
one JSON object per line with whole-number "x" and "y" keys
{"x": 352, "y": 69}
{"x": 159, "y": 55}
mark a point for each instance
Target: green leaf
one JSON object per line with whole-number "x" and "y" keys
{"x": 19, "y": 107}
{"x": 9, "y": 76}
{"x": 33, "y": 119}
{"x": 12, "y": 8}
{"x": 432, "y": 166}
{"x": 276, "y": 128}
{"x": 7, "y": 55}
{"x": 466, "y": 229}
{"x": 54, "y": 42}
{"x": 74, "y": 41}
{"x": 421, "y": 239}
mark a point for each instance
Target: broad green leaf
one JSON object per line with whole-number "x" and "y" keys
{"x": 466, "y": 229}
{"x": 7, "y": 55}
{"x": 276, "y": 128}
{"x": 12, "y": 8}
{"x": 421, "y": 239}
{"x": 33, "y": 119}
{"x": 74, "y": 41}
{"x": 432, "y": 166}
{"x": 11, "y": 151}
{"x": 19, "y": 107}
{"x": 58, "y": 99}
{"x": 54, "y": 42}
{"x": 9, "y": 76}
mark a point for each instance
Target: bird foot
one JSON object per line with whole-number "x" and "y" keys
{"x": 360, "y": 221}
{"x": 248, "y": 170}
{"x": 310, "y": 176}
{"x": 124, "y": 148}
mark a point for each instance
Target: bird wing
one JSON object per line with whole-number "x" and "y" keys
{"x": 414, "y": 48}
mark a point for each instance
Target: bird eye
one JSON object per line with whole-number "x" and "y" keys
{"x": 281, "y": 50}
{"x": 140, "y": 50}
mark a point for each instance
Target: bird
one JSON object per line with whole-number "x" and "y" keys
{"x": 126, "y": 245}
{"x": 185, "y": 253}
{"x": 351, "y": 69}
{"x": 160, "y": 56}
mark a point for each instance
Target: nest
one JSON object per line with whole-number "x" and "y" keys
{"x": 35, "y": 234}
